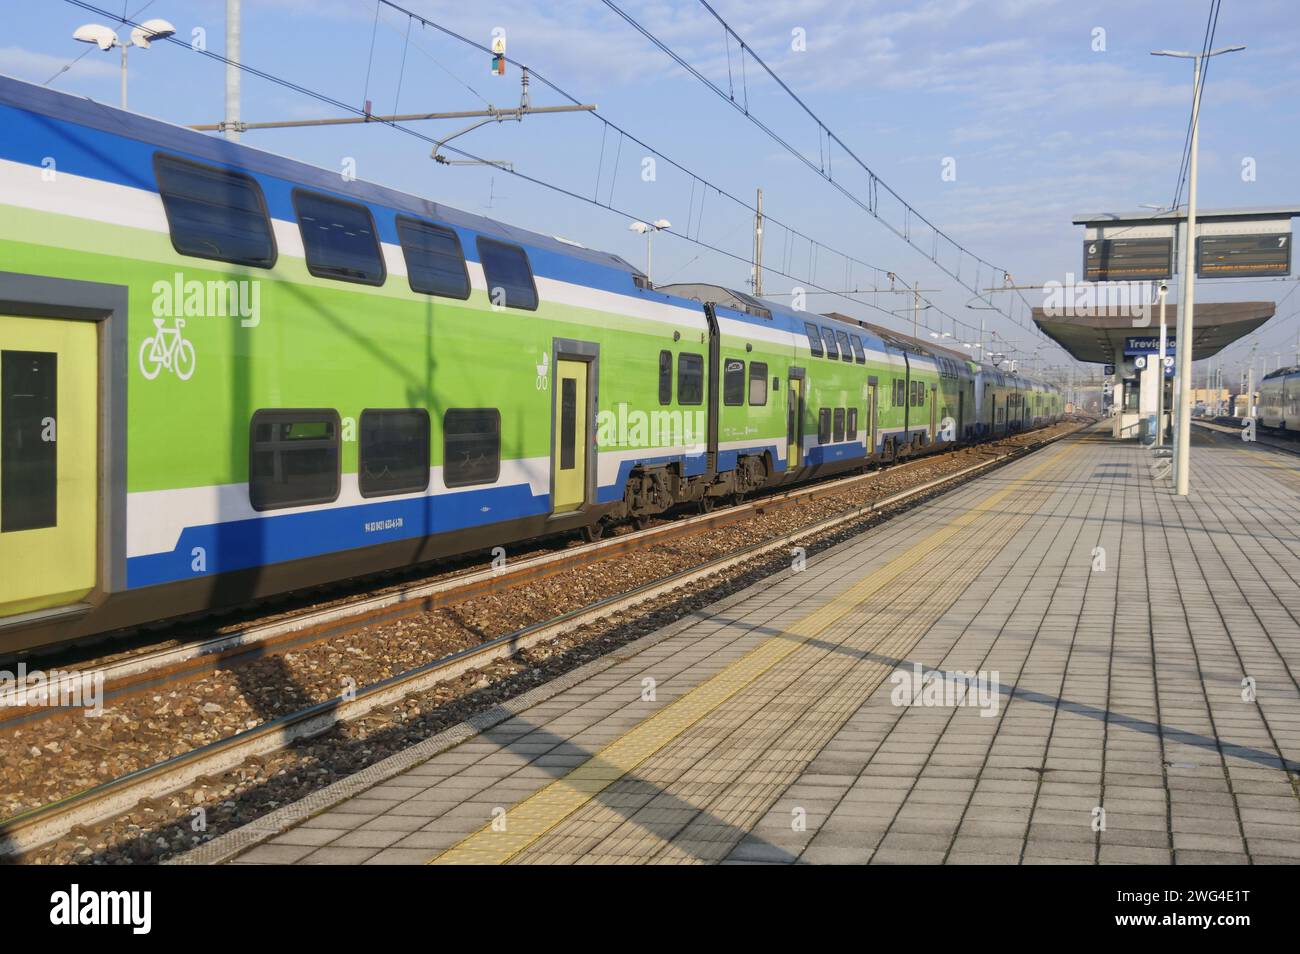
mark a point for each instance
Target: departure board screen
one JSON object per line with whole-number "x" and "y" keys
{"x": 1221, "y": 256}
{"x": 1138, "y": 259}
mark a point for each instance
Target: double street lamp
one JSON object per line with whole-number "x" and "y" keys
{"x": 106, "y": 39}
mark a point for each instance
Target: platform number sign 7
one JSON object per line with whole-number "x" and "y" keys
{"x": 1244, "y": 255}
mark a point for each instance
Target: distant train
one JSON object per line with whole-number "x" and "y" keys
{"x": 1279, "y": 400}
{"x": 225, "y": 375}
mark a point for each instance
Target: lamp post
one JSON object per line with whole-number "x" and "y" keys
{"x": 649, "y": 230}
{"x": 106, "y": 39}
{"x": 1183, "y": 347}
{"x": 1160, "y": 378}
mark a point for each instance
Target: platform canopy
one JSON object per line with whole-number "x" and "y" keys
{"x": 1090, "y": 335}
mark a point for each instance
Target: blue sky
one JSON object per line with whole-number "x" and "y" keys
{"x": 1040, "y": 125}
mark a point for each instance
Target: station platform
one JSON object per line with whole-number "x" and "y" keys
{"x": 1059, "y": 662}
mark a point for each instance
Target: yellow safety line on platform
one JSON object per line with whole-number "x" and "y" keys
{"x": 1281, "y": 463}
{"x": 537, "y": 814}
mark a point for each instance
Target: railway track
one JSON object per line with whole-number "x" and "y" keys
{"x": 152, "y": 670}
{"x": 25, "y": 832}
{"x": 1263, "y": 439}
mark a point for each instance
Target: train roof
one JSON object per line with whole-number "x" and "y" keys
{"x": 909, "y": 343}
{"x": 1283, "y": 372}
{"x": 763, "y": 309}
{"x": 707, "y": 293}
{"x": 110, "y": 119}
{"x": 916, "y": 344}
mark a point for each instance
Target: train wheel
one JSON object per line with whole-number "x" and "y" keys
{"x": 707, "y": 504}
{"x": 593, "y": 531}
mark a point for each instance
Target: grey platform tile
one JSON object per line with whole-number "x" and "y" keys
{"x": 275, "y": 854}
{"x": 1096, "y": 707}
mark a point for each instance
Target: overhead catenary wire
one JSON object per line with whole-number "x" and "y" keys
{"x": 1207, "y": 42}
{"x": 875, "y": 182}
{"x": 553, "y": 187}
{"x": 624, "y": 134}
{"x": 401, "y": 70}
{"x": 370, "y": 60}
{"x": 460, "y": 81}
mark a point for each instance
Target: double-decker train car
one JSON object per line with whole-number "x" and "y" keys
{"x": 225, "y": 374}
{"x": 1279, "y": 400}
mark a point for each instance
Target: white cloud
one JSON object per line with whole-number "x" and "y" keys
{"x": 39, "y": 67}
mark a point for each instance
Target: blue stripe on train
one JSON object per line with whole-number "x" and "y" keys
{"x": 830, "y": 453}
{"x": 278, "y": 538}
{"x": 727, "y": 458}
{"x": 243, "y": 544}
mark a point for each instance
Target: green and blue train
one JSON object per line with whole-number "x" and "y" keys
{"x": 225, "y": 375}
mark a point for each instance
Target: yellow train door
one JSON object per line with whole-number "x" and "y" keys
{"x": 571, "y": 438}
{"x": 49, "y": 411}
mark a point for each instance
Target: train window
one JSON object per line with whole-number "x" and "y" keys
{"x": 293, "y": 458}
{"x": 859, "y": 352}
{"x": 214, "y": 213}
{"x": 900, "y": 392}
{"x": 509, "y": 276}
{"x": 733, "y": 383}
{"x": 824, "y": 426}
{"x": 851, "y": 427}
{"x": 846, "y": 352}
{"x": 29, "y": 471}
{"x": 665, "y": 377}
{"x": 568, "y": 423}
{"x": 338, "y": 239}
{"x": 393, "y": 456}
{"x": 832, "y": 349}
{"x": 435, "y": 263}
{"x": 839, "y": 424}
{"x": 814, "y": 339}
{"x": 757, "y": 383}
{"x": 471, "y": 446}
{"x": 690, "y": 378}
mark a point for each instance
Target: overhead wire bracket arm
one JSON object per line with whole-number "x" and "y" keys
{"x": 489, "y": 115}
